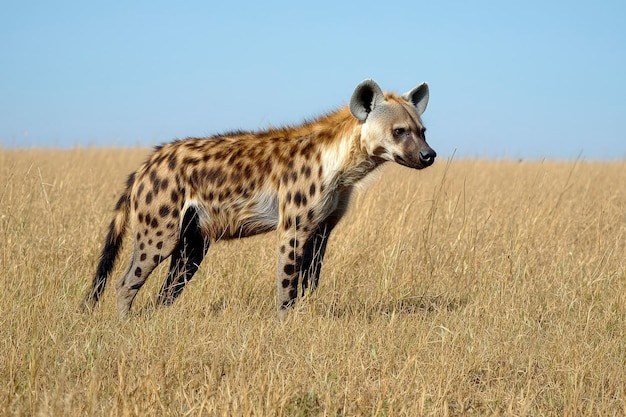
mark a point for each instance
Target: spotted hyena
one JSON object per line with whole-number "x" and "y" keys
{"x": 296, "y": 180}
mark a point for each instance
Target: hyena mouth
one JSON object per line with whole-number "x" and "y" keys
{"x": 425, "y": 160}
{"x": 400, "y": 160}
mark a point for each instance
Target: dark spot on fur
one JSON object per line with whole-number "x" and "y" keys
{"x": 149, "y": 241}
{"x": 149, "y": 198}
{"x": 297, "y": 198}
{"x": 138, "y": 272}
{"x": 143, "y": 257}
{"x": 155, "y": 186}
{"x": 174, "y": 196}
{"x": 294, "y": 176}
{"x": 159, "y": 245}
{"x": 289, "y": 269}
{"x": 164, "y": 211}
{"x": 266, "y": 168}
{"x": 140, "y": 190}
{"x": 310, "y": 215}
{"x": 312, "y": 190}
{"x": 142, "y": 246}
{"x": 247, "y": 172}
{"x": 287, "y": 223}
{"x": 159, "y": 233}
{"x": 154, "y": 223}
{"x": 140, "y": 217}
{"x": 288, "y": 197}
{"x": 285, "y": 283}
{"x": 214, "y": 175}
{"x": 164, "y": 184}
{"x": 282, "y": 249}
{"x": 291, "y": 255}
{"x": 223, "y": 196}
{"x": 148, "y": 218}
{"x": 293, "y": 243}
{"x": 232, "y": 158}
{"x": 157, "y": 259}
{"x": 191, "y": 161}
{"x": 171, "y": 163}
{"x": 305, "y": 149}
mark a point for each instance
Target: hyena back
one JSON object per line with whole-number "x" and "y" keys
{"x": 296, "y": 180}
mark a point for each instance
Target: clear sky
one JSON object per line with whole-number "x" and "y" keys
{"x": 528, "y": 79}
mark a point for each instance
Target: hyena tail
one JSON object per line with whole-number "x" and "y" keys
{"x": 112, "y": 246}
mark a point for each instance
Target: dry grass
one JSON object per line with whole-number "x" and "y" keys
{"x": 484, "y": 288}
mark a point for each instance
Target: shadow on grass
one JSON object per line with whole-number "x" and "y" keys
{"x": 211, "y": 309}
{"x": 419, "y": 305}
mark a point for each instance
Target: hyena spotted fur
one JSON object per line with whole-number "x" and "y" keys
{"x": 297, "y": 180}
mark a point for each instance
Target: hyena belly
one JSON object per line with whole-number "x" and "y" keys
{"x": 236, "y": 218}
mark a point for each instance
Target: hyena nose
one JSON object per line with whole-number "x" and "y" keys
{"x": 427, "y": 157}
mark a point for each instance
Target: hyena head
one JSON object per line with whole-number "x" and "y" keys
{"x": 392, "y": 129}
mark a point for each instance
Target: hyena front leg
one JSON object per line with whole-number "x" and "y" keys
{"x": 315, "y": 247}
{"x": 291, "y": 247}
{"x": 189, "y": 252}
{"x": 313, "y": 255}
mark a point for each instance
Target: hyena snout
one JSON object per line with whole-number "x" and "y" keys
{"x": 427, "y": 156}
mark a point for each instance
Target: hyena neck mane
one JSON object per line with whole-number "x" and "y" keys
{"x": 334, "y": 138}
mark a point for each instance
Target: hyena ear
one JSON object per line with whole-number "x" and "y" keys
{"x": 366, "y": 96}
{"x": 418, "y": 97}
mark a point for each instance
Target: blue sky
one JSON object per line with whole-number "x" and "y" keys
{"x": 532, "y": 79}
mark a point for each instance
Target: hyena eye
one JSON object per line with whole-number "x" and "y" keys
{"x": 400, "y": 131}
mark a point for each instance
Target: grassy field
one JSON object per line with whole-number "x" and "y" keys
{"x": 470, "y": 288}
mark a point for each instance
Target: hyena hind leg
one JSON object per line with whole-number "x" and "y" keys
{"x": 142, "y": 263}
{"x": 186, "y": 259}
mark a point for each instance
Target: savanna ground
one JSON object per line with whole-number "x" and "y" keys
{"x": 469, "y": 288}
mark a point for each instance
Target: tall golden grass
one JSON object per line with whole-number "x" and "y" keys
{"x": 470, "y": 288}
